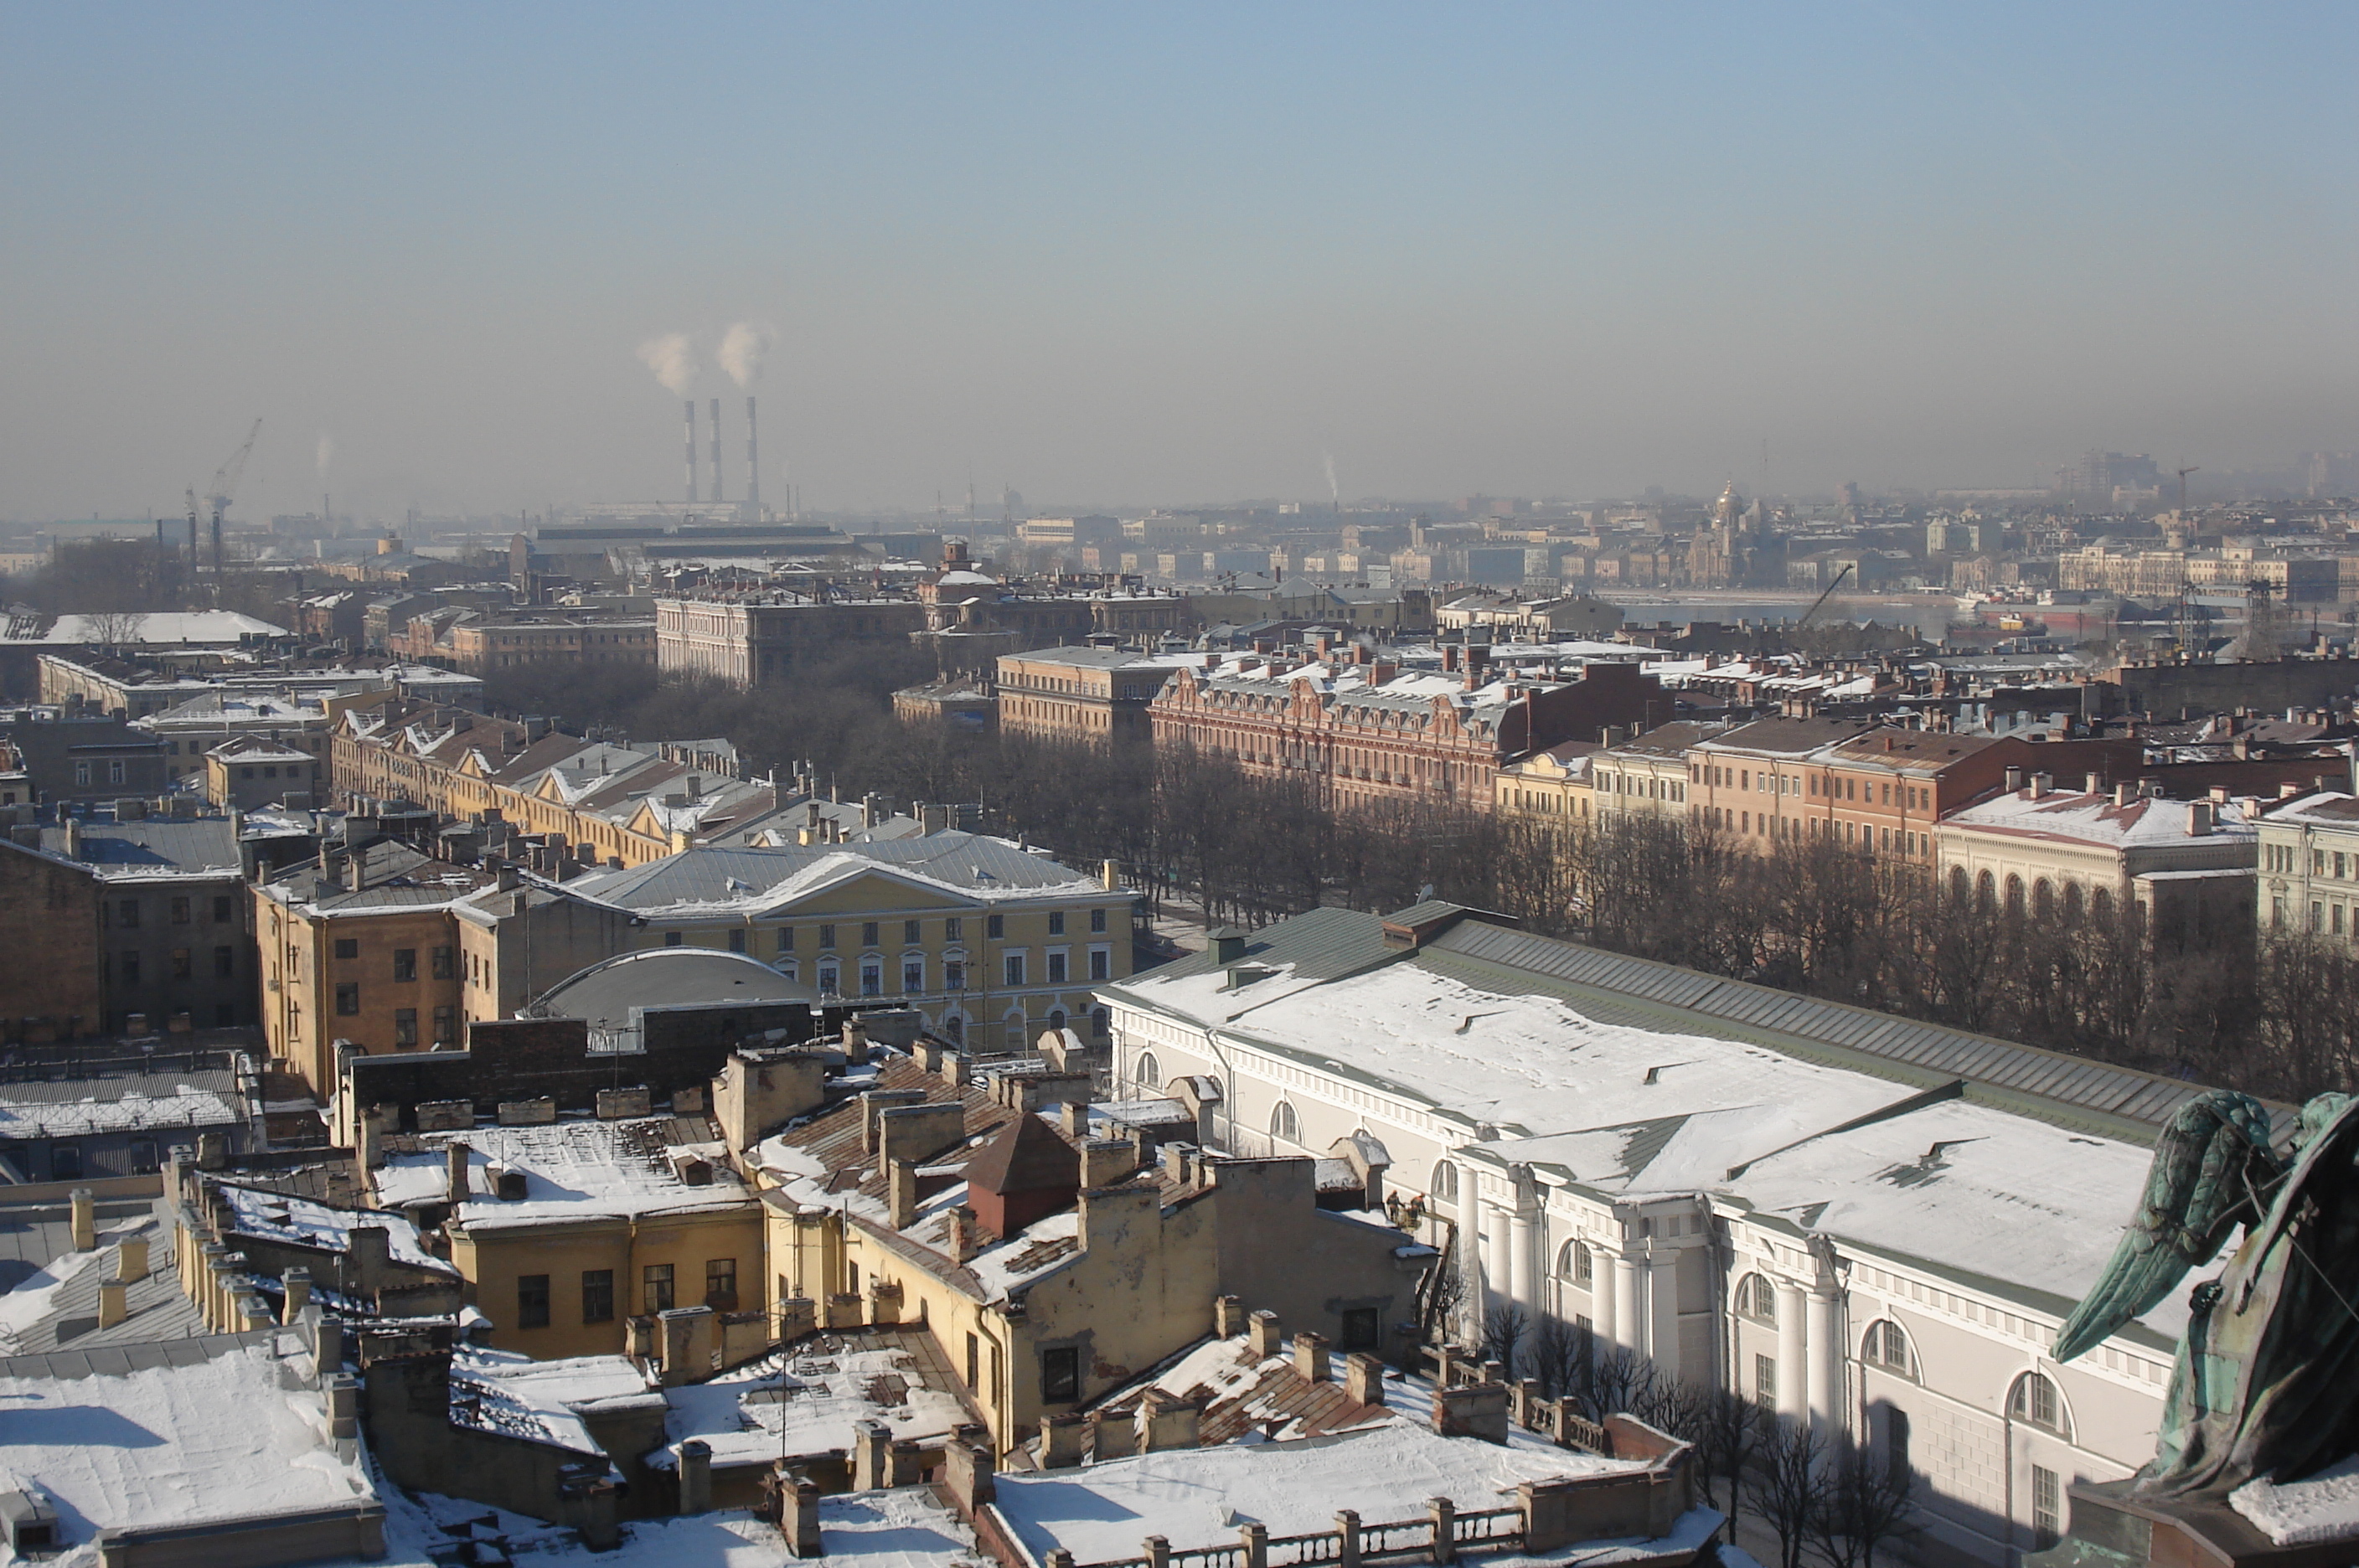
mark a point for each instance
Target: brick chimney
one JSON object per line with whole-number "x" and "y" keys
{"x": 454, "y": 1158}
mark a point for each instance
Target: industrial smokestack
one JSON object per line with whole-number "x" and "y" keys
{"x": 692, "y": 451}
{"x": 753, "y": 465}
{"x": 716, "y": 449}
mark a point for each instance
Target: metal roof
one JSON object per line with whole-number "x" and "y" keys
{"x": 1615, "y": 988}
{"x": 609, "y": 992}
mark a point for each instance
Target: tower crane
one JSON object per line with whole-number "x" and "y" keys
{"x": 1820, "y": 603}
{"x": 2183, "y": 488}
{"x": 224, "y": 485}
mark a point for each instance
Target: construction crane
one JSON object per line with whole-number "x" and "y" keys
{"x": 1820, "y": 603}
{"x": 224, "y": 486}
{"x": 2183, "y": 488}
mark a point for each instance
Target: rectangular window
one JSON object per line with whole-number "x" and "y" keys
{"x": 404, "y": 964}
{"x": 143, "y": 1157}
{"x": 1765, "y": 1379}
{"x": 952, "y": 929}
{"x": 910, "y": 934}
{"x": 183, "y": 963}
{"x": 1362, "y": 1327}
{"x": 868, "y": 933}
{"x": 224, "y": 962}
{"x": 597, "y": 1295}
{"x": 736, "y": 938}
{"x": 913, "y": 975}
{"x": 130, "y": 966}
{"x": 348, "y": 947}
{"x": 1061, "y": 1376}
{"x": 995, "y": 926}
{"x": 827, "y": 936}
{"x": 1014, "y": 970}
{"x": 81, "y": 772}
{"x": 532, "y": 1301}
{"x": 405, "y": 1026}
{"x": 671, "y": 939}
{"x": 225, "y": 908}
{"x": 445, "y": 1025}
{"x": 828, "y": 978}
{"x": 126, "y": 914}
{"x": 720, "y": 1284}
{"x": 446, "y": 963}
{"x": 115, "y": 770}
{"x": 786, "y": 938}
{"x": 1097, "y": 920}
{"x": 654, "y": 1288}
{"x": 2047, "y": 1506}
{"x": 1057, "y": 975}
{"x": 65, "y": 1162}
{"x": 974, "y": 1366}
{"x": 872, "y": 977}
{"x": 1101, "y": 964}
{"x": 953, "y": 975}
{"x": 1056, "y": 922}
{"x": 180, "y": 911}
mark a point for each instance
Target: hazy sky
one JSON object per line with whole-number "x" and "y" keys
{"x": 1115, "y": 254}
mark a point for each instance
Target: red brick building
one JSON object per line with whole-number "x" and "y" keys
{"x": 1370, "y": 732}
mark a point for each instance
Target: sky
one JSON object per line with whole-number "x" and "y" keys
{"x": 1129, "y": 255}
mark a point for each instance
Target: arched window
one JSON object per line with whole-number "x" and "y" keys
{"x": 1100, "y": 1022}
{"x": 1886, "y": 1345}
{"x": 2035, "y": 1400}
{"x": 2014, "y": 894}
{"x": 1959, "y": 889}
{"x": 1283, "y": 1123}
{"x": 2043, "y": 899}
{"x": 1147, "y": 1071}
{"x": 1756, "y": 1299}
{"x": 955, "y": 1026}
{"x": 2101, "y": 903}
{"x": 2071, "y": 900}
{"x": 1445, "y": 1183}
{"x": 1057, "y": 1020}
{"x": 1577, "y": 1265}
{"x": 1985, "y": 893}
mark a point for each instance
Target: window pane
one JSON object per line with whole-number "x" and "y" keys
{"x": 597, "y": 1295}
{"x": 532, "y": 1301}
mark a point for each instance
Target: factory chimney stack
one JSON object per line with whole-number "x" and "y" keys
{"x": 716, "y": 449}
{"x": 692, "y": 451}
{"x": 753, "y": 466}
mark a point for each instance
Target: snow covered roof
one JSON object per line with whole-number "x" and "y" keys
{"x": 226, "y": 1430}
{"x": 541, "y": 1402}
{"x": 139, "y": 1102}
{"x": 281, "y": 1217}
{"x": 1195, "y": 1498}
{"x": 969, "y": 867}
{"x": 2077, "y": 817}
{"x": 802, "y": 1401}
{"x": 572, "y": 1170}
{"x": 1608, "y": 1092}
{"x": 157, "y": 628}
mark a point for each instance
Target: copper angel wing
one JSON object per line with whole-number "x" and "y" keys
{"x": 2210, "y": 1164}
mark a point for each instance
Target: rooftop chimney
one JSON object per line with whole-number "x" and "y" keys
{"x": 2200, "y": 818}
{"x": 692, "y": 451}
{"x": 715, "y": 438}
{"x": 2014, "y": 780}
{"x": 753, "y": 463}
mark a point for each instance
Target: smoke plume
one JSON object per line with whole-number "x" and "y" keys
{"x": 324, "y": 453}
{"x": 1334, "y": 492}
{"x": 673, "y": 361}
{"x": 741, "y": 348}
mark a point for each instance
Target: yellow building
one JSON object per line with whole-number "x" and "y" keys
{"x": 1094, "y": 694}
{"x": 1553, "y": 784}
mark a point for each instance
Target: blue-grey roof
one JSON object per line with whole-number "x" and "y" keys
{"x": 161, "y": 846}
{"x": 607, "y": 993}
{"x": 976, "y": 864}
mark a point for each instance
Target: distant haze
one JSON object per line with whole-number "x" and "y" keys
{"x": 474, "y": 259}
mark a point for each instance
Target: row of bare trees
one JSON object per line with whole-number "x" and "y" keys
{"x": 2224, "y": 1006}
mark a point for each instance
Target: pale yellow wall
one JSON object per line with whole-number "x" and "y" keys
{"x": 492, "y": 1257}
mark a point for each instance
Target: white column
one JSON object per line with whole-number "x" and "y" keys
{"x": 1523, "y": 1279}
{"x": 1498, "y": 1267}
{"x": 1600, "y": 1293}
{"x": 1663, "y": 1300}
{"x": 1826, "y": 1364}
{"x": 1629, "y": 1332}
{"x": 1793, "y": 1387}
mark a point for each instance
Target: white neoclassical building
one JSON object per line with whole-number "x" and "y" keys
{"x": 1869, "y": 1224}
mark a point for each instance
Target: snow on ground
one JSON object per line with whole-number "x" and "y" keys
{"x": 2304, "y": 1513}
{"x": 172, "y": 1445}
{"x": 1197, "y": 1497}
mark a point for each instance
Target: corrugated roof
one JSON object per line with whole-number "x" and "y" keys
{"x": 1321, "y": 944}
{"x": 1637, "y": 991}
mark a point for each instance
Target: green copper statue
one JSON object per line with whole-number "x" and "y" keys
{"x": 2267, "y": 1378}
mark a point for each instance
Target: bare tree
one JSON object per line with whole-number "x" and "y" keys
{"x": 1620, "y": 1382}
{"x": 1732, "y": 1427}
{"x": 1863, "y": 1502}
{"x": 1785, "y": 1485}
{"x": 1560, "y": 1354}
{"x": 1504, "y": 1328}
{"x": 113, "y": 629}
